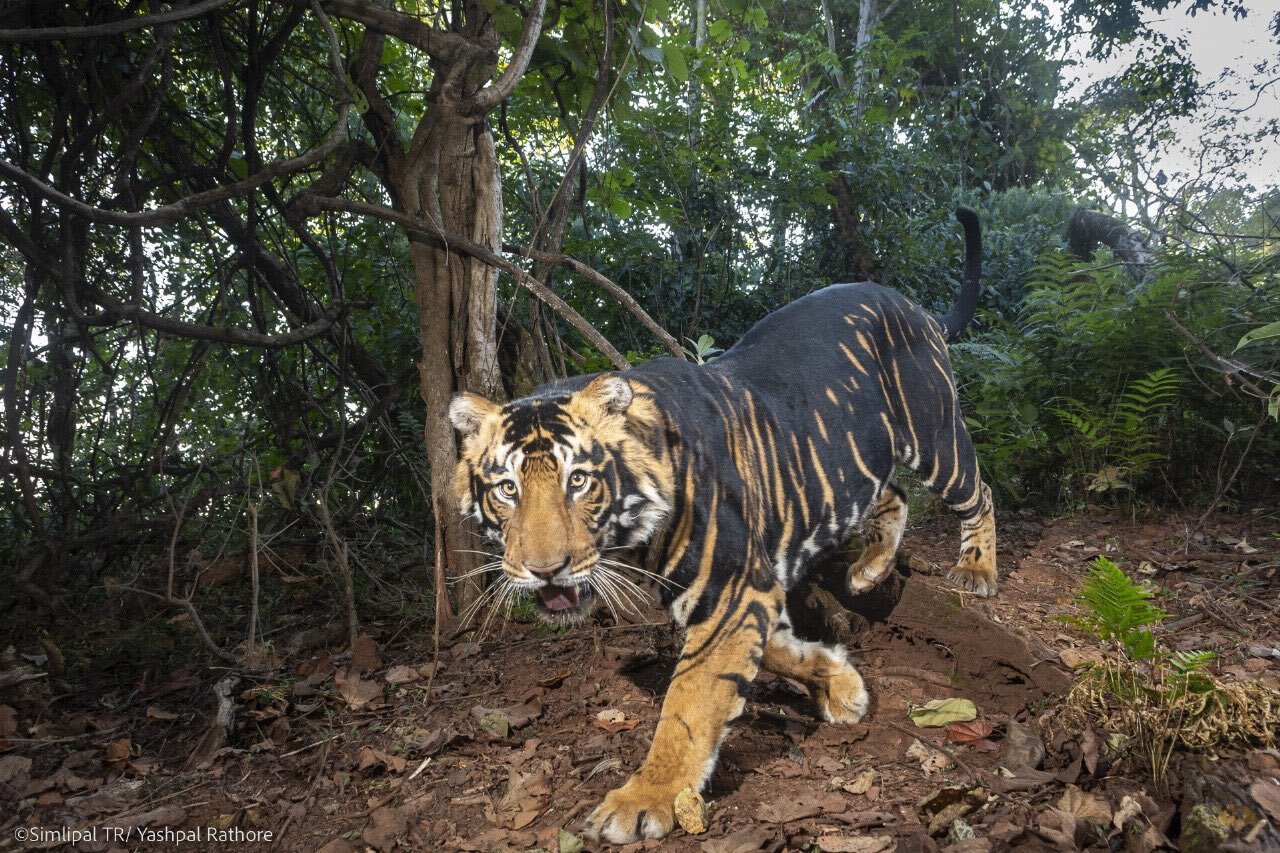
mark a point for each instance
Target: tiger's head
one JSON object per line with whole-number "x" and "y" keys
{"x": 559, "y": 479}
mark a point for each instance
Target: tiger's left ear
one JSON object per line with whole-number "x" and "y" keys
{"x": 468, "y": 411}
{"x": 610, "y": 391}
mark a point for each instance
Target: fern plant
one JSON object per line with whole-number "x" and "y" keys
{"x": 1156, "y": 701}
{"x": 1116, "y": 608}
{"x": 1122, "y": 440}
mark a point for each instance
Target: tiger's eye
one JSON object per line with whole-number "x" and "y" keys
{"x": 577, "y": 480}
{"x": 508, "y": 488}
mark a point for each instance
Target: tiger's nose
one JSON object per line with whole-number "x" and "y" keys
{"x": 546, "y": 569}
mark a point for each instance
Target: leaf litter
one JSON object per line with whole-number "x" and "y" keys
{"x": 343, "y": 740}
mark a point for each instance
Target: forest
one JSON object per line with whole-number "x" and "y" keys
{"x": 251, "y": 249}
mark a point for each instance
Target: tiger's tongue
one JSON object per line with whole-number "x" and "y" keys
{"x": 559, "y": 597}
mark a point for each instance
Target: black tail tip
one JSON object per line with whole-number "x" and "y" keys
{"x": 966, "y": 215}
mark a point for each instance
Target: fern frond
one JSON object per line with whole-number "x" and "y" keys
{"x": 1116, "y": 608}
{"x": 1187, "y": 662}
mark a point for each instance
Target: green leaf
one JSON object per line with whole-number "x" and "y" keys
{"x": 1262, "y": 333}
{"x": 719, "y": 30}
{"x": 620, "y": 207}
{"x": 942, "y": 712}
{"x": 673, "y": 60}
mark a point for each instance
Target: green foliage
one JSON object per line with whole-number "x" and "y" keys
{"x": 1116, "y": 608}
{"x": 1269, "y": 332}
{"x": 1156, "y": 701}
{"x": 703, "y": 349}
{"x": 1121, "y": 441}
{"x": 1079, "y": 390}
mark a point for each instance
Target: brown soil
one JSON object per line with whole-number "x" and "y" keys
{"x": 324, "y": 756}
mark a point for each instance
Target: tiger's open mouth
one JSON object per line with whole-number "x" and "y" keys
{"x": 565, "y": 603}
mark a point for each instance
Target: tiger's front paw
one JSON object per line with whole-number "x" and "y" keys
{"x": 843, "y": 698}
{"x": 633, "y": 812}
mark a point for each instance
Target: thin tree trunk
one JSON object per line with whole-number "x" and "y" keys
{"x": 868, "y": 17}
{"x": 830, "y": 22}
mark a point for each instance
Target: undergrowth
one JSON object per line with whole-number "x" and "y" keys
{"x": 1150, "y": 702}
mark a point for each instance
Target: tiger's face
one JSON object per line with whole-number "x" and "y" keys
{"x": 560, "y": 480}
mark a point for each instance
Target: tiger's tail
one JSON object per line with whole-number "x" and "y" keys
{"x": 967, "y": 301}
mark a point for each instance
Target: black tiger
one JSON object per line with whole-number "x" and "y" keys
{"x": 732, "y": 478}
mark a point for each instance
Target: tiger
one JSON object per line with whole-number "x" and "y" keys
{"x": 731, "y": 480}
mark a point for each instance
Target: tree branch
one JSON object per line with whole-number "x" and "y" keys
{"x": 615, "y": 290}
{"x": 1226, "y": 365}
{"x": 313, "y": 203}
{"x": 170, "y": 213}
{"x": 437, "y": 44}
{"x": 114, "y": 28}
{"x": 499, "y": 90}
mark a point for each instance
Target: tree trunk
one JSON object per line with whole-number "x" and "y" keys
{"x": 457, "y": 313}
{"x": 868, "y": 17}
{"x": 454, "y": 180}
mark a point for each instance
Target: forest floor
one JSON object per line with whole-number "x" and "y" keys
{"x": 510, "y": 742}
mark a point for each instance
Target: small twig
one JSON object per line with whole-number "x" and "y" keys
{"x": 963, "y": 765}
{"x": 303, "y": 749}
{"x": 253, "y": 580}
{"x": 315, "y": 780}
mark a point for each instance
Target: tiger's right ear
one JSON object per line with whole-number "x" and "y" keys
{"x": 468, "y": 411}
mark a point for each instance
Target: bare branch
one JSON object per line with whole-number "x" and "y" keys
{"x": 1228, "y": 366}
{"x": 311, "y": 203}
{"x": 116, "y": 312}
{"x": 114, "y": 28}
{"x": 170, "y": 213}
{"x": 437, "y": 44}
{"x": 499, "y": 90}
{"x": 615, "y": 290}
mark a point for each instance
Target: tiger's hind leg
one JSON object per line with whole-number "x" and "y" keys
{"x": 835, "y": 685}
{"x": 882, "y": 533}
{"x": 970, "y": 498}
{"x": 976, "y": 569}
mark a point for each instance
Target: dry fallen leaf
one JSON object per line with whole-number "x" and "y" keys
{"x": 854, "y": 843}
{"x": 947, "y": 804}
{"x": 931, "y": 760}
{"x": 384, "y": 827}
{"x": 376, "y": 759}
{"x": 861, "y": 783}
{"x": 788, "y": 809}
{"x": 1267, "y": 794}
{"x": 8, "y": 722}
{"x": 1072, "y": 658}
{"x": 156, "y": 713}
{"x": 1129, "y": 809}
{"x": 749, "y": 840}
{"x": 365, "y": 656}
{"x": 406, "y": 674}
{"x": 969, "y": 732}
{"x": 1023, "y": 748}
{"x": 500, "y": 721}
{"x": 524, "y": 800}
{"x": 613, "y": 721}
{"x": 691, "y": 811}
{"x": 118, "y": 753}
{"x": 355, "y": 690}
{"x": 12, "y": 767}
{"x": 1085, "y": 806}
